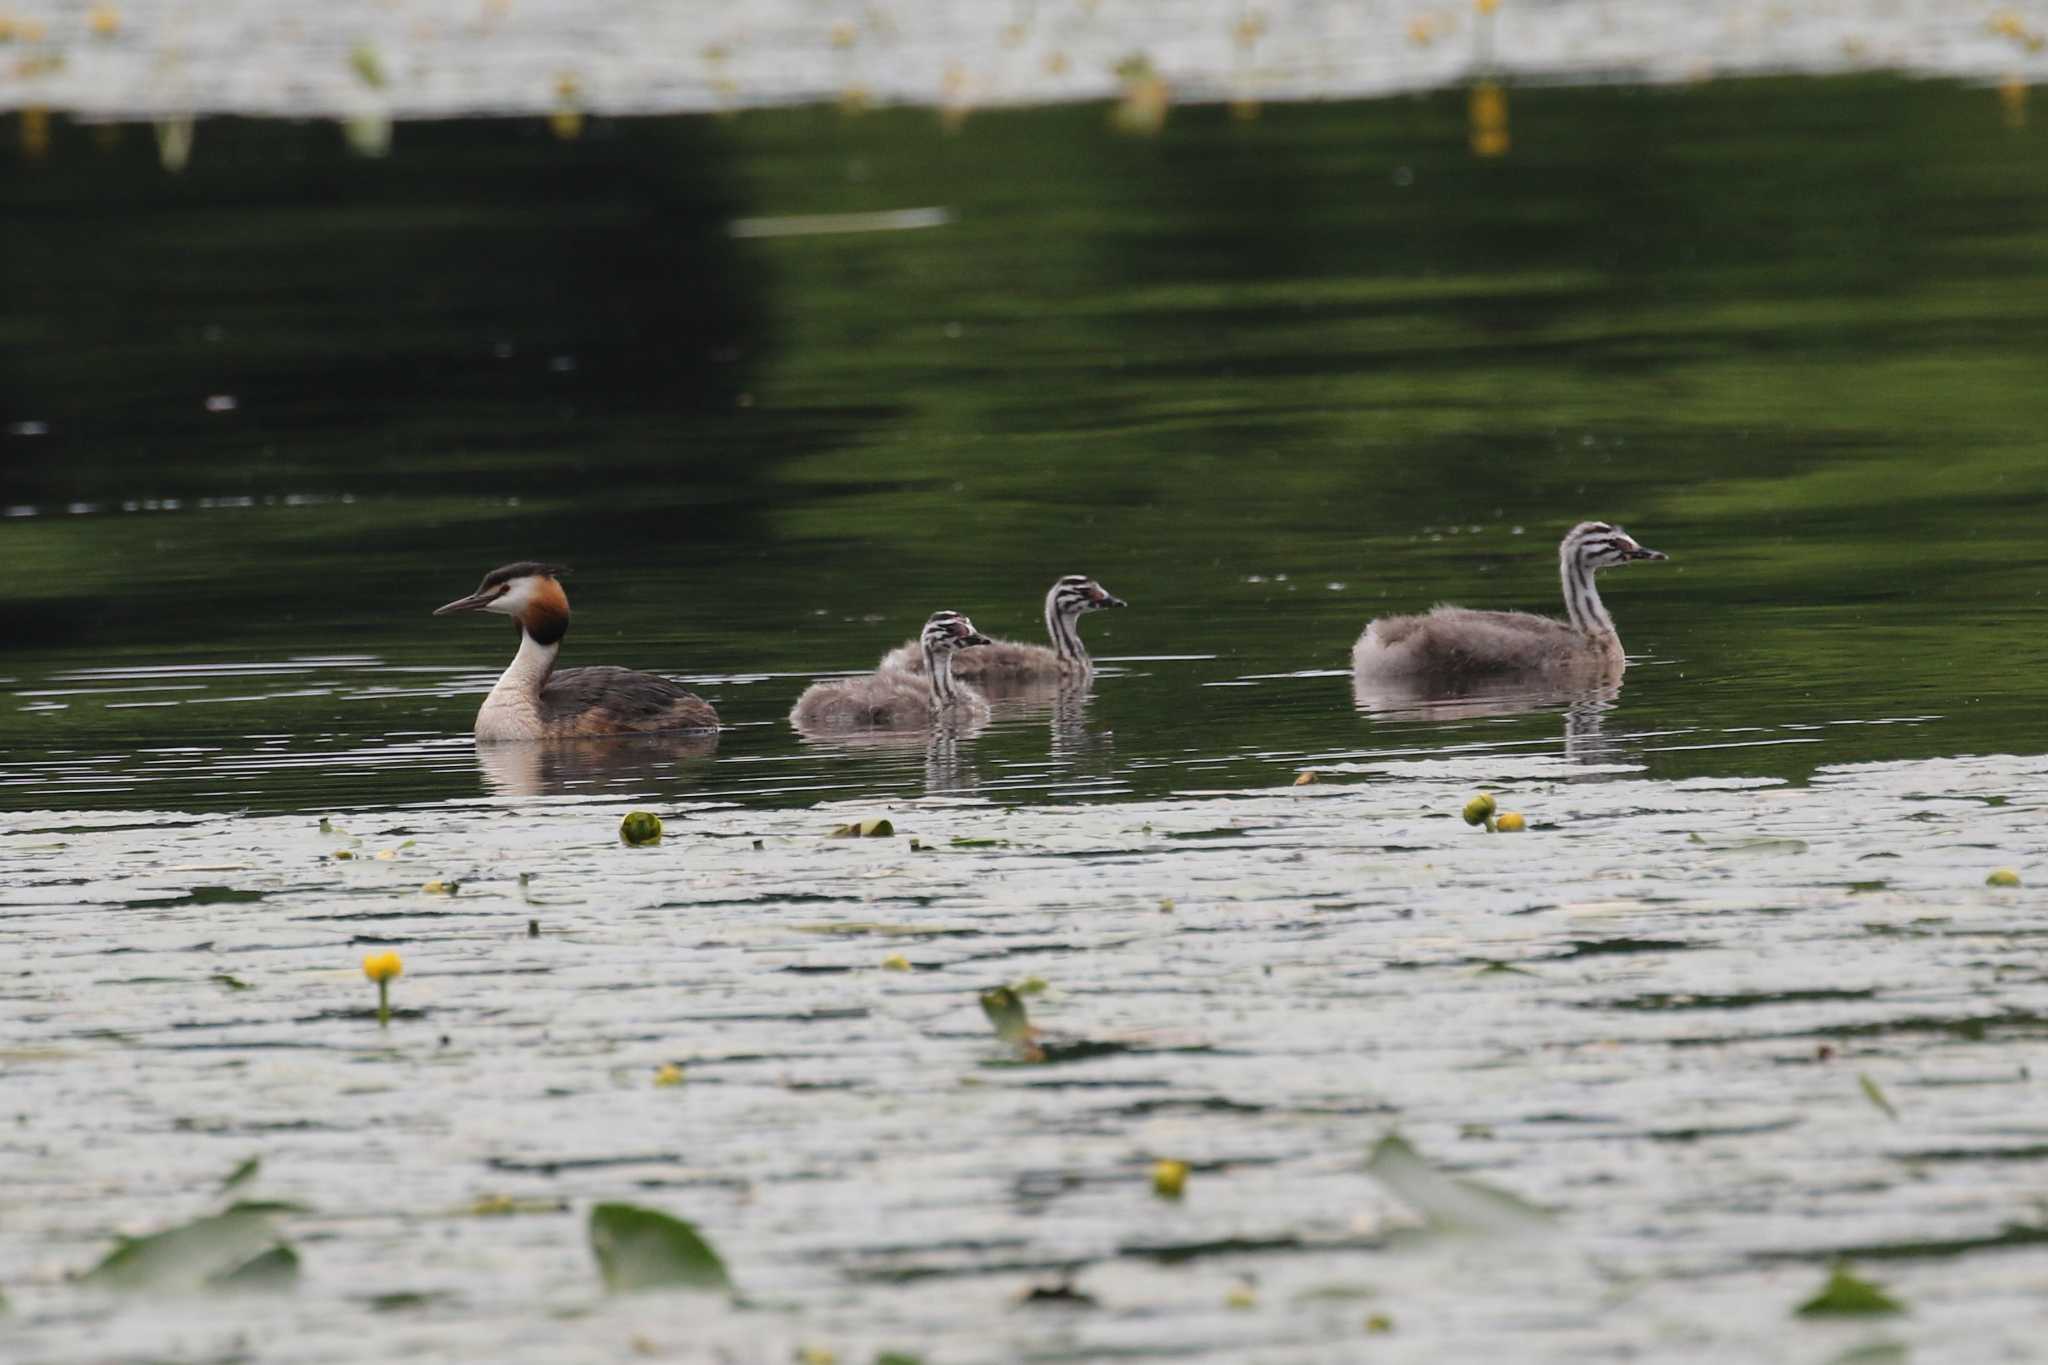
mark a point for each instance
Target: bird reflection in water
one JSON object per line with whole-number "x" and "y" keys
{"x": 1585, "y": 710}
{"x": 948, "y": 765}
{"x": 558, "y": 766}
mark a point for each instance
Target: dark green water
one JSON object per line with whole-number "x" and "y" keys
{"x": 1264, "y": 379}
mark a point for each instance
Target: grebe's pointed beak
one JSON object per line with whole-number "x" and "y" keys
{"x": 1645, "y": 552}
{"x": 973, "y": 638}
{"x": 476, "y": 601}
{"x": 1111, "y": 600}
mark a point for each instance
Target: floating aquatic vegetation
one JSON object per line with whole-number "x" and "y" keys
{"x": 237, "y": 1248}
{"x": 174, "y": 142}
{"x": 667, "y": 1074}
{"x": 1751, "y": 843}
{"x": 1169, "y": 1178}
{"x": 2004, "y": 876}
{"x": 1877, "y": 1097}
{"x": 1479, "y": 811}
{"x": 382, "y": 968}
{"x": 1306, "y": 777}
{"x": 1243, "y": 1296}
{"x": 1142, "y": 107}
{"x": 438, "y": 887}
{"x": 368, "y": 135}
{"x": 369, "y": 68}
{"x": 1488, "y": 114}
{"x": 1449, "y": 1203}
{"x": 895, "y": 962}
{"x": 1510, "y": 822}
{"x": 1848, "y": 1295}
{"x": 640, "y": 828}
{"x": 243, "y": 1172}
{"x": 1011, "y": 1021}
{"x": 1379, "y": 1323}
{"x": 103, "y": 20}
{"x": 640, "y": 1248}
{"x": 876, "y": 828}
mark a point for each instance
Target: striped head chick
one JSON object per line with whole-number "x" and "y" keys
{"x": 1585, "y": 550}
{"x": 946, "y": 631}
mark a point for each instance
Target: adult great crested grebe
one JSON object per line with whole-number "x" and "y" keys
{"x": 1007, "y": 660}
{"x": 1450, "y": 646}
{"x": 894, "y": 698}
{"x": 534, "y": 701}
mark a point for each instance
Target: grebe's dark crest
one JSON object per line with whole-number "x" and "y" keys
{"x": 1010, "y": 661}
{"x": 534, "y": 701}
{"x": 1452, "y": 646}
{"x": 894, "y": 698}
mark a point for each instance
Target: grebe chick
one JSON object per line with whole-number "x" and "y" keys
{"x": 1451, "y": 646}
{"x": 1010, "y": 661}
{"x": 533, "y": 701}
{"x": 893, "y": 698}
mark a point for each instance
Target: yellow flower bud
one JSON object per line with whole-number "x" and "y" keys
{"x": 668, "y": 1073}
{"x": 640, "y": 827}
{"x": 1510, "y": 822}
{"x": 2004, "y": 876}
{"x": 895, "y": 962}
{"x": 382, "y": 967}
{"x": 1479, "y": 809}
{"x": 1169, "y": 1178}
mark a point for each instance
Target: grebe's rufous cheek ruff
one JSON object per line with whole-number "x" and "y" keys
{"x": 532, "y": 700}
{"x": 1452, "y": 645}
{"x": 894, "y": 698}
{"x": 1009, "y": 660}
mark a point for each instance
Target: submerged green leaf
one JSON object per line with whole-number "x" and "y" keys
{"x": 242, "y": 1172}
{"x": 1006, "y": 1012}
{"x": 369, "y": 70}
{"x": 1848, "y": 1295}
{"x": 1754, "y": 843}
{"x": 1449, "y": 1203}
{"x": 1876, "y": 1096}
{"x": 205, "y": 1250}
{"x": 639, "y": 1248}
{"x": 276, "y": 1268}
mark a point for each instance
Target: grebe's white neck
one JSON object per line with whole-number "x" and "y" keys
{"x": 512, "y": 710}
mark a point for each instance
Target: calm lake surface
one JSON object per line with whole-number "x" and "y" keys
{"x": 1265, "y": 379}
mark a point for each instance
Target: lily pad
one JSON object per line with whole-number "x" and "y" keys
{"x": 639, "y": 1248}
{"x": 1846, "y": 1295}
{"x": 1006, "y": 1012}
{"x": 276, "y": 1268}
{"x": 204, "y": 1251}
{"x": 1877, "y": 1096}
{"x": 1449, "y": 1203}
